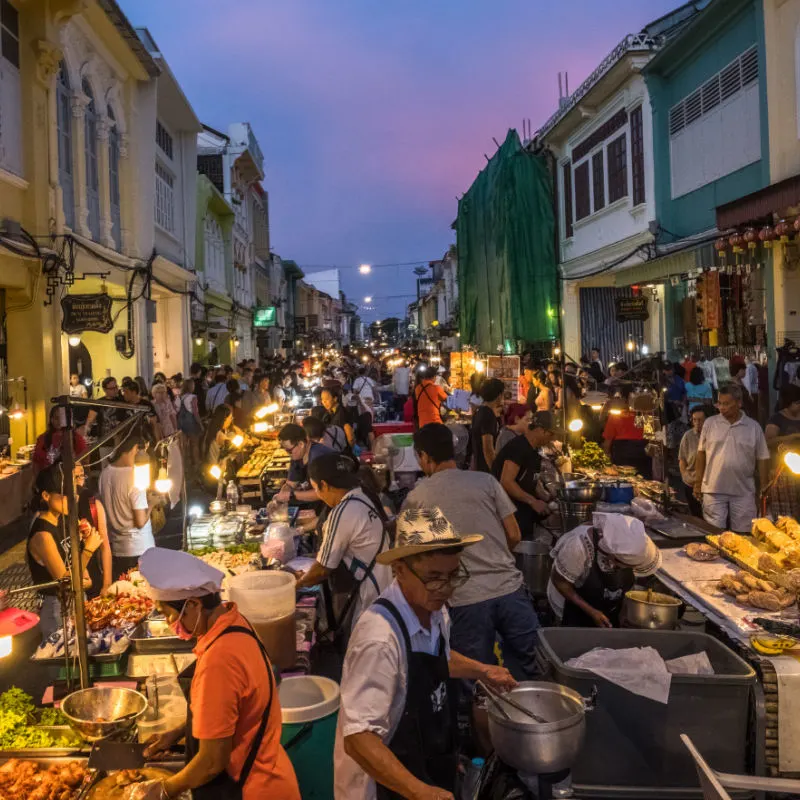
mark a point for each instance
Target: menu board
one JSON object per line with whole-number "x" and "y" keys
{"x": 462, "y": 366}
{"x": 507, "y": 369}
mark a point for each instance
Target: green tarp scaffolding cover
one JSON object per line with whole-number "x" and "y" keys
{"x": 507, "y": 274}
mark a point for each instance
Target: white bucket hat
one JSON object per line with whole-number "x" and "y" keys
{"x": 424, "y": 530}
{"x": 625, "y": 539}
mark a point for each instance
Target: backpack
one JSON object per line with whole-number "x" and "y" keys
{"x": 187, "y": 423}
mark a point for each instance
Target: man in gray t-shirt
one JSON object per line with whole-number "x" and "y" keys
{"x": 494, "y": 600}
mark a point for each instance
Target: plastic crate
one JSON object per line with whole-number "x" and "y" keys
{"x": 632, "y": 743}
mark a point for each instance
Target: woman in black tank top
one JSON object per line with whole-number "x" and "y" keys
{"x": 45, "y": 554}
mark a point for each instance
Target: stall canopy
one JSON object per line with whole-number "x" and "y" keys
{"x": 507, "y": 273}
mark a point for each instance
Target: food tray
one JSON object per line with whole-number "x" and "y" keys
{"x": 142, "y": 665}
{"x": 713, "y": 539}
{"x": 37, "y": 753}
{"x": 99, "y": 658}
{"x": 145, "y": 639}
{"x": 677, "y": 529}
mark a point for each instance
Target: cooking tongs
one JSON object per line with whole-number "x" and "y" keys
{"x": 495, "y": 697}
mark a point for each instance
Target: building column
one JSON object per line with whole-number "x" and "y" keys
{"x": 104, "y": 182}
{"x": 128, "y": 196}
{"x": 79, "y": 103}
{"x": 571, "y": 318}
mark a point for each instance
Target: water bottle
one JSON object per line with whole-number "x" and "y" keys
{"x": 232, "y": 495}
{"x": 471, "y": 779}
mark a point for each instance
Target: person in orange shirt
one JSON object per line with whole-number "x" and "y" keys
{"x": 428, "y": 399}
{"x": 233, "y": 729}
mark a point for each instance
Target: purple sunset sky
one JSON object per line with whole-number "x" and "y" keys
{"x": 373, "y": 116}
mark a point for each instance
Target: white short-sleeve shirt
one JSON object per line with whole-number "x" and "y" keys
{"x": 120, "y": 498}
{"x": 732, "y": 450}
{"x": 353, "y": 534}
{"x": 374, "y": 684}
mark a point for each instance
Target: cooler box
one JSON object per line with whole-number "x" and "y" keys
{"x": 632, "y": 744}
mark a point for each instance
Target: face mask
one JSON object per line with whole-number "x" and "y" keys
{"x": 180, "y": 630}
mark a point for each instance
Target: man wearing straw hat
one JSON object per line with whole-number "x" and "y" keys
{"x": 396, "y": 734}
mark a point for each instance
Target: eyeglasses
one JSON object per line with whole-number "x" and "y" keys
{"x": 291, "y": 448}
{"x": 453, "y": 582}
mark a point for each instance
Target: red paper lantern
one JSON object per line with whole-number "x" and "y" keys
{"x": 736, "y": 242}
{"x": 767, "y": 236}
{"x": 751, "y": 238}
{"x": 782, "y": 230}
{"x": 721, "y": 244}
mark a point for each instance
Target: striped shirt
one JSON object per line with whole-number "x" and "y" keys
{"x": 352, "y": 535}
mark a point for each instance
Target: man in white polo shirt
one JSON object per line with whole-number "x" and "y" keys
{"x": 731, "y": 446}
{"x": 396, "y": 734}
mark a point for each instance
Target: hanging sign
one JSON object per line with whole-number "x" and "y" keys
{"x": 631, "y": 309}
{"x": 86, "y": 312}
{"x": 265, "y": 317}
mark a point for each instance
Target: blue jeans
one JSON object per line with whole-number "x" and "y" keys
{"x": 510, "y": 618}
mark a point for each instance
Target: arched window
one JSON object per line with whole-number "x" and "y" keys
{"x": 113, "y": 178}
{"x": 90, "y": 149}
{"x": 64, "y": 117}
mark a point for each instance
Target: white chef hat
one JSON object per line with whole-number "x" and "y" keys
{"x": 175, "y": 575}
{"x": 624, "y": 538}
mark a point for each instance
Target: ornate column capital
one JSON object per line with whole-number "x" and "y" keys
{"x": 124, "y": 142}
{"x": 48, "y": 60}
{"x": 103, "y": 127}
{"x": 80, "y": 103}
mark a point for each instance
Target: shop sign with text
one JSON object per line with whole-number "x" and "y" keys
{"x": 86, "y": 312}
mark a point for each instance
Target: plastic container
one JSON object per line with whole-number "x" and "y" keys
{"x": 633, "y": 743}
{"x": 279, "y": 542}
{"x": 267, "y": 600}
{"x": 471, "y": 779}
{"x": 309, "y": 708}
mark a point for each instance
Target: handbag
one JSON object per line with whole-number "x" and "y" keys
{"x": 158, "y": 518}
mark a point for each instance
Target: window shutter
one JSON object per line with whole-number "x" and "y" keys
{"x": 566, "y": 171}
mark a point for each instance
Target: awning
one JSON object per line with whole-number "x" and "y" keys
{"x": 764, "y": 203}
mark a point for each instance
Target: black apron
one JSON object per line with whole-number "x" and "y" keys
{"x": 425, "y": 740}
{"x": 223, "y": 786}
{"x": 342, "y": 589}
{"x": 604, "y": 591}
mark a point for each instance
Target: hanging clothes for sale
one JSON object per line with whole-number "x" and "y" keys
{"x": 722, "y": 370}
{"x": 709, "y": 371}
{"x": 788, "y": 365}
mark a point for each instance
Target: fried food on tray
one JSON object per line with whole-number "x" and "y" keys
{"x": 701, "y": 552}
{"x": 789, "y": 526}
{"x": 792, "y": 580}
{"x": 756, "y": 592}
{"x": 26, "y": 780}
{"x": 779, "y": 540}
{"x": 762, "y": 527}
{"x": 770, "y": 563}
{"x": 766, "y": 600}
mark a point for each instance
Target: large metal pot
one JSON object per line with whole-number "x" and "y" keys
{"x": 653, "y": 611}
{"x": 581, "y": 491}
{"x": 534, "y": 562}
{"x": 534, "y": 747}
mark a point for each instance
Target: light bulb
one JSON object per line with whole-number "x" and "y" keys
{"x": 195, "y": 511}
{"x": 18, "y": 412}
{"x": 5, "y": 646}
{"x": 645, "y": 349}
{"x": 215, "y": 471}
{"x": 616, "y": 412}
{"x": 199, "y": 341}
{"x": 596, "y": 407}
{"x": 74, "y": 341}
{"x": 792, "y": 460}
{"x": 163, "y": 481}
{"x": 273, "y": 408}
{"x": 262, "y": 412}
{"x": 141, "y": 476}
{"x": 556, "y": 351}
{"x": 480, "y": 366}
{"x": 630, "y": 347}
{"x": 575, "y": 425}
{"x": 260, "y": 427}
{"x": 365, "y": 269}
{"x": 238, "y": 440}
{"x": 368, "y": 299}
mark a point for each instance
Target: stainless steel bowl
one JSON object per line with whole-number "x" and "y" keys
{"x": 535, "y": 747}
{"x": 96, "y": 713}
{"x": 581, "y": 491}
{"x": 659, "y": 612}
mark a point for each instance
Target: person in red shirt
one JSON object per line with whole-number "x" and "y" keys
{"x": 233, "y": 730}
{"x": 429, "y": 399}
{"x": 48, "y": 446}
{"x": 623, "y": 441}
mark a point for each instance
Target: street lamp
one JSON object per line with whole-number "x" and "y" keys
{"x": 368, "y": 299}
{"x": 74, "y": 340}
{"x": 365, "y": 269}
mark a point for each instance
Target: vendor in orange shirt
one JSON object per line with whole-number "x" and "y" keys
{"x": 428, "y": 399}
{"x": 623, "y": 441}
{"x": 233, "y": 728}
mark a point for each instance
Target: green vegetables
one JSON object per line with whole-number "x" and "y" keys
{"x": 233, "y": 549}
{"x": 590, "y": 456}
{"x": 19, "y": 720}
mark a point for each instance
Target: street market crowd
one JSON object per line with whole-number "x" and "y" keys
{"x": 422, "y": 586}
